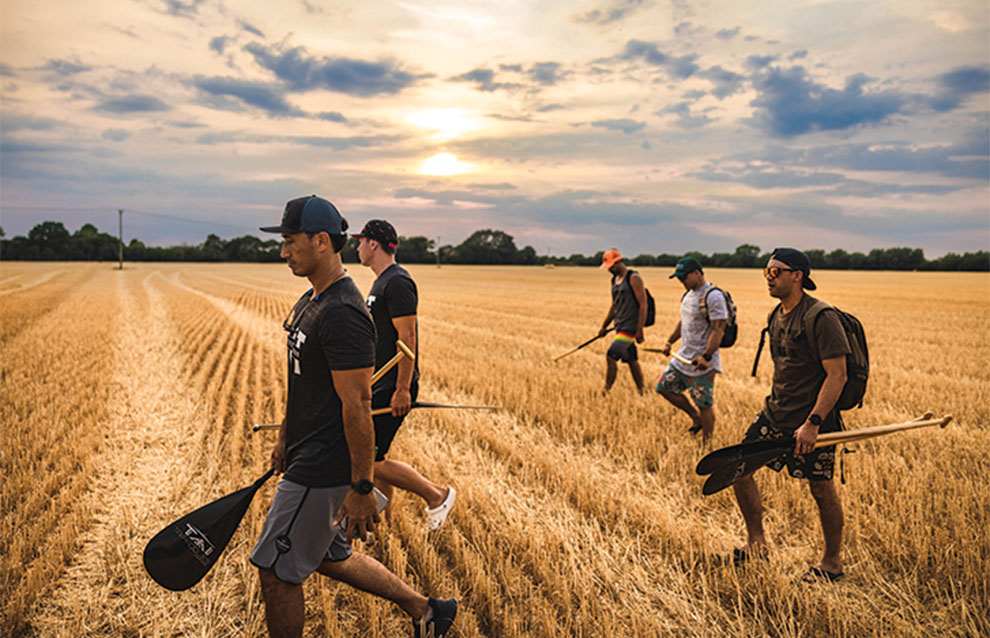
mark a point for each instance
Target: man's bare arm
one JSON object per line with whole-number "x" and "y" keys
{"x": 354, "y": 389}
{"x": 401, "y": 401}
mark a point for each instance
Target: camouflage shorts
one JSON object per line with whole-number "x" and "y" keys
{"x": 818, "y": 465}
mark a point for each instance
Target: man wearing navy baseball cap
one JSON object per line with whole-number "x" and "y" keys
{"x": 326, "y": 442}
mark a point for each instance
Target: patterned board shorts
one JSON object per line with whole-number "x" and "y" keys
{"x": 623, "y": 347}
{"x": 701, "y": 388}
{"x": 818, "y": 465}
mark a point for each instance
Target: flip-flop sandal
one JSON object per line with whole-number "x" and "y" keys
{"x": 436, "y": 516}
{"x": 819, "y": 575}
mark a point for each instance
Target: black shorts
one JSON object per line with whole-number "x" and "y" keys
{"x": 817, "y": 465}
{"x": 386, "y": 425}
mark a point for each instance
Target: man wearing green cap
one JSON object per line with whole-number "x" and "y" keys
{"x": 700, "y": 329}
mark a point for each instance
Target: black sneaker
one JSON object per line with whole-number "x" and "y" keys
{"x": 444, "y": 612}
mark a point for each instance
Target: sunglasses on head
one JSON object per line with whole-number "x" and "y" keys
{"x": 774, "y": 271}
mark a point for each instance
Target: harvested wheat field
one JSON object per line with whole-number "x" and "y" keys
{"x": 128, "y": 397}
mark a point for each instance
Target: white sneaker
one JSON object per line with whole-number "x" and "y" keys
{"x": 436, "y": 516}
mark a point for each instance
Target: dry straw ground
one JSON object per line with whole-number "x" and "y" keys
{"x": 127, "y": 399}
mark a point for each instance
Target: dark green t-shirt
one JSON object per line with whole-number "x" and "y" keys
{"x": 798, "y": 374}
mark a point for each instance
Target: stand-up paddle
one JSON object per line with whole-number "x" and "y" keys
{"x": 727, "y": 465}
{"x": 586, "y": 343}
{"x": 184, "y": 551}
{"x": 414, "y": 404}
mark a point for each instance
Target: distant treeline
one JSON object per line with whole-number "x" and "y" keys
{"x": 50, "y": 241}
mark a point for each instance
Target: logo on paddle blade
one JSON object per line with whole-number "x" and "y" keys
{"x": 197, "y": 542}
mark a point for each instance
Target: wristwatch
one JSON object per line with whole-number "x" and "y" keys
{"x": 815, "y": 420}
{"x": 706, "y": 357}
{"x": 364, "y": 486}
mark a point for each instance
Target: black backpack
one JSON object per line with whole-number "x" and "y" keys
{"x": 731, "y": 327}
{"x": 651, "y": 309}
{"x": 857, "y": 361}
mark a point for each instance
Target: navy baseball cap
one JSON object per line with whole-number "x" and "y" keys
{"x": 380, "y": 231}
{"x": 310, "y": 214}
{"x": 685, "y": 267}
{"x": 796, "y": 260}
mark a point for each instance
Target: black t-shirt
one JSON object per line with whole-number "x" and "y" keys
{"x": 798, "y": 374}
{"x": 626, "y": 305}
{"x": 332, "y": 332}
{"x": 392, "y": 295}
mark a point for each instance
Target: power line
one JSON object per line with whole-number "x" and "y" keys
{"x": 79, "y": 209}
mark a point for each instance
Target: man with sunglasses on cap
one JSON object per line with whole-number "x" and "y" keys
{"x": 326, "y": 441}
{"x": 808, "y": 377}
{"x": 628, "y": 309}
{"x": 700, "y": 329}
{"x": 392, "y": 301}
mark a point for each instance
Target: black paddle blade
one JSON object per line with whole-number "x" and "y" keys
{"x": 733, "y": 470}
{"x": 180, "y": 555}
{"x": 735, "y": 453}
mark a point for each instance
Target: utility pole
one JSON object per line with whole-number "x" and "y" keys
{"x": 438, "y": 251}
{"x": 120, "y": 227}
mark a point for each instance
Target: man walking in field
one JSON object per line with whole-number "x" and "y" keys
{"x": 700, "y": 329}
{"x": 326, "y": 495}
{"x": 392, "y": 301}
{"x": 628, "y": 309}
{"x": 808, "y": 376}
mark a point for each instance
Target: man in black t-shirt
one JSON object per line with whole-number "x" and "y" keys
{"x": 808, "y": 377}
{"x": 326, "y": 441}
{"x": 393, "y": 304}
{"x": 628, "y": 309}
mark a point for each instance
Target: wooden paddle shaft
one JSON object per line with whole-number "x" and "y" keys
{"x": 849, "y": 436}
{"x": 403, "y": 351}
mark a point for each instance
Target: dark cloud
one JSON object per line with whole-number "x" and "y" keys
{"x": 550, "y": 107}
{"x": 331, "y": 116}
{"x": 790, "y": 103}
{"x": 10, "y": 123}
{"x": 728, "y": 34}
{"x": 184, "y": 9}
{"x": 545, "y": 73}
{"x": 798, "y": 55}
{"x": 615, "y": 13}
{"x": 115, "y": 134}
{"x": 685, "y": 119}
{"x": 66, "y": 68}
{"x": 219, "y": 43}
{"x": 958, "y": 84}
{"x": 7, "y": 71}
{"x": 484, "y": 80}
{"x": 757, "y": 62}
{"x": 503, "y": 186}
{"x": 515, "y": 68}
{"x": 132, "y": 104}
{"x": 360, "y": 78}
{"x": 335, "y": 143}
{"x": 267, "y": 97}
{"x": 726, "y": 82}
{"x": 627, "y": 126}
{"x": 250, "y": 28}
{"x": 680, "y": 67}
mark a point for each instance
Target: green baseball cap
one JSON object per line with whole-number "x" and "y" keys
{"x": 685, "y": 266}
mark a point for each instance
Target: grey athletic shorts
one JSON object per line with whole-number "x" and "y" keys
{"x": 299, "y": 533}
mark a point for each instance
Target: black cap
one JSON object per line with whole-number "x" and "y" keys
{"x": 310, "y": 214}
{"x": 798, "y": 261}
{"x": 381, "y": 231}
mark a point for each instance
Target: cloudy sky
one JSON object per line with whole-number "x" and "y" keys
{"x": 649, "y": 126}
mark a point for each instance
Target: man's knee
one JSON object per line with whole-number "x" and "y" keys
{"x": 822, "y": 490}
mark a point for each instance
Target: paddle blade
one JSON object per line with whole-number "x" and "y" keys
{"x": 735, "y": 453}
{"x": 183, "y": 552}
{"x": 730, "y": 472}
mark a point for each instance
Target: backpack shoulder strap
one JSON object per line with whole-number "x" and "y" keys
{"x": 810, "y": 317}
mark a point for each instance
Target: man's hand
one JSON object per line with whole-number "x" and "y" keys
{"x": 700, "y": 363}
{"x": 805, "y": 438}
{"x": 603, "y": 331}
{"x": 639, "y": 335}
{"x": 361, "y": 513}
{"x": 277, "y": 459}
{"x": 665, "y": 350}
{"x": 401, "y": 402}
